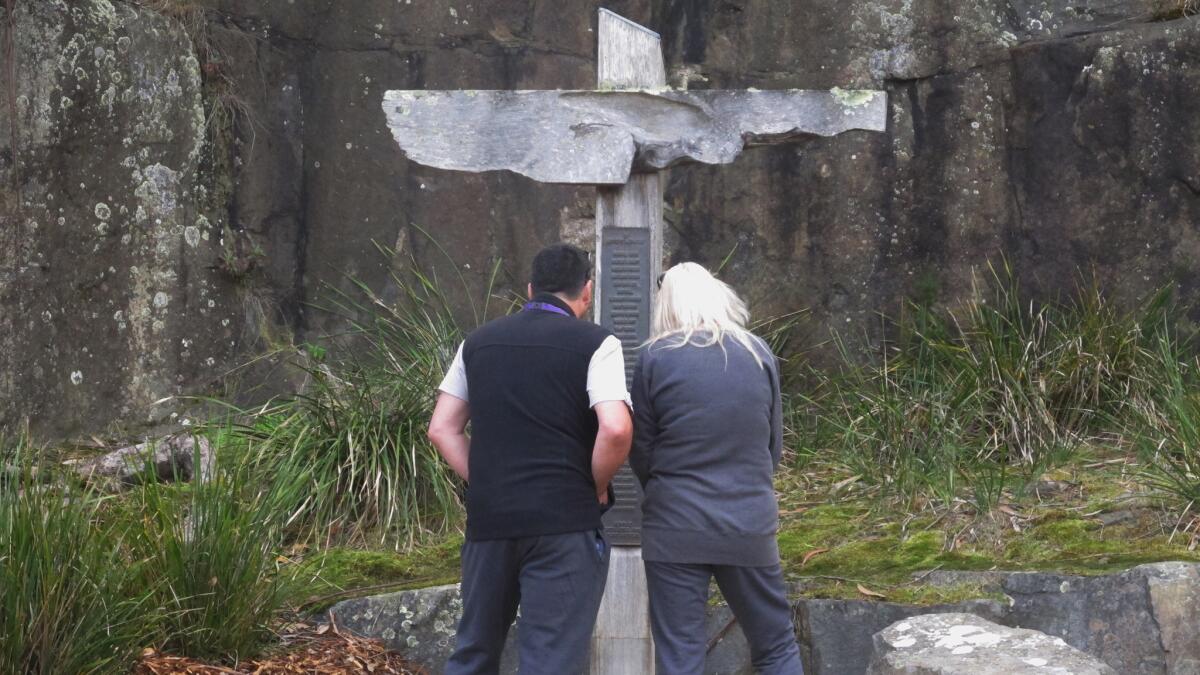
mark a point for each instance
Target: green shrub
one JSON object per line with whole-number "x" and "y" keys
{"x": 70, "y": 599}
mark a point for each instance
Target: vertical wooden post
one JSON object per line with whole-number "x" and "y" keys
{"x": 630, "y": 57}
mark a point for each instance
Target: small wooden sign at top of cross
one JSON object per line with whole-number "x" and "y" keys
{"x": 618, "y": 137}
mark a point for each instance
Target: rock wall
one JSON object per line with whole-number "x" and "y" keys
{"x": 1138, "y": 622}
{"x": 110, "y": 292}
{"x": 1056, "y": 134}
{"x": 1060, "y": 135}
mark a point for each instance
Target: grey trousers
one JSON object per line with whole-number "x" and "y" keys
{"x": 557, "y": 580}
{"x": 757, "y": 596}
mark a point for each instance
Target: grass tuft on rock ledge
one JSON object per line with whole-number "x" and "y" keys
{"x": 1001, "y": 434}
{"x": 1094, "y": 518}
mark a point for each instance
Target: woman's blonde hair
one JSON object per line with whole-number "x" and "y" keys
{"x": 700, "y": 309}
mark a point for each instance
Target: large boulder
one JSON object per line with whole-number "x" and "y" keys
{"x": 1140, "y": 622}
{"x": 418, "y": 623}
{"x": 836, "y": 635}
{"x": 964, "y": 644}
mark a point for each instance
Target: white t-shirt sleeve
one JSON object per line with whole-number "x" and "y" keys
{"x": 606, "y": 374}
{"x": 455, "y": 382}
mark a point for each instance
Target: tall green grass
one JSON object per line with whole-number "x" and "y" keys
{"x": 974, "y": 400}
{"x": 1166, "y": 427}
{"x": 209, "y": 550}
{"x": 88, "y": 581}
{"x": 70, "y": 601}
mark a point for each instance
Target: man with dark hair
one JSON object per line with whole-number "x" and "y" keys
{"x": 544, "y": 392}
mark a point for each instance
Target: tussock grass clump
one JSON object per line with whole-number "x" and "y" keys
{"x": 87, "y": 580}
{"x": 357, "y": 434}
{"x": 70, "y": 601}
{"x": 1166, "y": 427}
{"x": 209, "y": 550}
{"x": 975, "y": 399}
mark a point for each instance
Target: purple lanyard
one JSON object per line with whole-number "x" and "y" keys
{"x": 546, "y": 307}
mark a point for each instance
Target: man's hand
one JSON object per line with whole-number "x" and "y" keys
{"x": 448, "y": 432}
{"x": 612, "y": 444}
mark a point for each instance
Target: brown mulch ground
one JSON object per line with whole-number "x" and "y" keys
{"x": 317, "y": 650}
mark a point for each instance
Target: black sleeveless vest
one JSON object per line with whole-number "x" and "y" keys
{"x": 532, "y": 428}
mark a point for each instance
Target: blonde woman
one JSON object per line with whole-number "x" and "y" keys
{"x": 707, "y": 438}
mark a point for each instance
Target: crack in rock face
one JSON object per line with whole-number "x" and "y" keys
{"x": 600, "y": 137}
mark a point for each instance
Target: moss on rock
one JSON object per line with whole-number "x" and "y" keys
{"x": 340, "y": 573}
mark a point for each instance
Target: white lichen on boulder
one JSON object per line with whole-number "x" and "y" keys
{"x": 964, "y": 644}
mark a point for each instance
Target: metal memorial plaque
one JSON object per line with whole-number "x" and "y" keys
{"x": 625, "y": 309}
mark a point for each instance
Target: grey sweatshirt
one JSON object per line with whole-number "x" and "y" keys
{"x": 708, "y": 436}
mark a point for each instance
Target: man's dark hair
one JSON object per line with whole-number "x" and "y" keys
{"x": 561, "y": 268}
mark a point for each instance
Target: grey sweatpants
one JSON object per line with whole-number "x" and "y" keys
{"x": 557, "y": 580}
{"x": 757, "y": 596}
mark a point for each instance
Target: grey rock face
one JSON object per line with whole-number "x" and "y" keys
{"x": 964, "y": 644}
{"x": 1059, "y": 134}
{"x": 1139, "y": 622}
{"x": 182, "y": 457}
{"x": 108, "y": 296}
{"x": 598, "y": 137}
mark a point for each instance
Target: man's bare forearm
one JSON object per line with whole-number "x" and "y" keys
{"x": 607, "y": 457}
{"x": 612, "y": 444}
{"x": 455, "y": 449}
{"x": 448, "y": 433}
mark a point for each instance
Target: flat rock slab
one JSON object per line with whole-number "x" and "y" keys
{"x": 181, "y": 457}
{"x": 599, "y": 137}
{"x": 964, "y": 644}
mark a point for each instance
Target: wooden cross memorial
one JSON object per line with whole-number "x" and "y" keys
{"x": 618, "y": 137}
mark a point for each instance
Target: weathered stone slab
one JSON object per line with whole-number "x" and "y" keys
{"x": 599, "y": 137}
{"x": 181, "y": 457}
{"x": 964, "y": 644}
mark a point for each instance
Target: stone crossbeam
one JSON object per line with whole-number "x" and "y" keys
{"x": 600, "y": 137}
